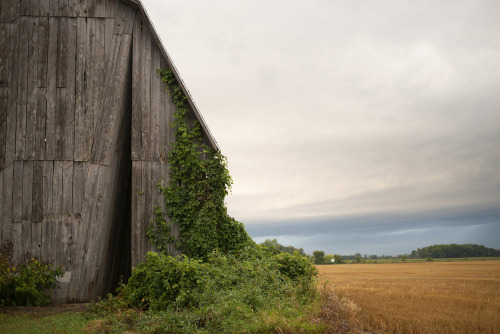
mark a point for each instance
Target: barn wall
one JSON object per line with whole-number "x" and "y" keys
{"x": 84, "y": 136}
{"x": 65, "y": 116}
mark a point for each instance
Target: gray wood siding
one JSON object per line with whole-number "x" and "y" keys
{"x": 84, "y": 136}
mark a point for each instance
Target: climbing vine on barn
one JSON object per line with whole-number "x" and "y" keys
{"x": 195, "y": 194}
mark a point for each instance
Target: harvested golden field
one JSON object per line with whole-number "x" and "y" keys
{"x": 434, "y": 297}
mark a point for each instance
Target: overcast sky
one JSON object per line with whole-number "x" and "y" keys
{"x": 349, "y": 126}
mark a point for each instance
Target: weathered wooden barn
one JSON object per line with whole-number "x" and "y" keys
{"x": 84, "y": 136}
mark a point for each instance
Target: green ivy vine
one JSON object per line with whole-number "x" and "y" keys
{"x": 195, "y": 194}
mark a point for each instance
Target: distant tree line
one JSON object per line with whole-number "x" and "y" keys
{"x": 285, "y": 249}
{"x": 429, "y": 252}
{"x": 454, "y": 251}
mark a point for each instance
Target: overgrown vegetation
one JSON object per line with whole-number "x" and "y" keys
{"x": 26, "y": 282}
{"x": 224, "y": 282}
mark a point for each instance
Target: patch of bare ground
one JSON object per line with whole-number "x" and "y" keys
{"x": 44, "y": 310}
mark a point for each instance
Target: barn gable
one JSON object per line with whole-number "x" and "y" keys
{"x": 84, "y": 135}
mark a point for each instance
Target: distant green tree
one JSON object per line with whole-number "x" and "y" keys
{"x": 319, "y": 257}
{"x": 338, "y": 259}
{"x": 279, "y": 247}
{"x": 357, "y": 257}
{"x": 328, "y": 259}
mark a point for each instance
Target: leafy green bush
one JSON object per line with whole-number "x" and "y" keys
{"x": 27, "y": 282}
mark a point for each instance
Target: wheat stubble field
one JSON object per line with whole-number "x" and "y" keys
{"x": 434, "y": 297}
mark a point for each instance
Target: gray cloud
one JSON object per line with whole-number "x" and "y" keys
{"x": 346, "y": 109}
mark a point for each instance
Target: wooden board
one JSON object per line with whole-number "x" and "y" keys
{"x": 80, "y": 96}
{"x": 4, "y": 54}
{"x": 69, "y": 118}
{"x": 4, "y": 102}
{"x": 37, "y": 214}
{"x": 3, "y": 220}
{"x": 27, "y": 206}
{"x": 32, "y": 93}
{"x": 8, "y": 178}
{"x": 17, "y": 195}
{"x": 136, "y": 139}
{"x": 57, "y": 188}
{"x": 50, "y": 133}
{"x": 22, "y": 87}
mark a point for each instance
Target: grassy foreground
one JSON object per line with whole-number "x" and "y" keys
{"x": 68, "y": 322}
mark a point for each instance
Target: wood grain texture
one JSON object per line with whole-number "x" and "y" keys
{"x": 50, "y": 131}
{"x": 32, "y": 92}
{"x": 37, "y": 214}
{"x": 4, "y": 54}
{"x": 6, "y": 193}
{"x": 11, "y": 119}
{"x": 17, "y": 192}
{"x": 22, "y": 87}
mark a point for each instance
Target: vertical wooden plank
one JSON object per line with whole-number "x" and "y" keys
{"x": 156, "y": 198}
{"x": 100, "y": 68}
{"x": 91, "y": 8}
{"x": 32, "y": 95}
{"x": 111, "y": 6}
{"x": 62, "y": 52}
{"x": 27, "y": 206}
{"x": 114, "y": 104}
{"x": 17, "y": 195}
{"x": 50, "y": 132}
{"x": 80, "y": 98}
{"x": 10, "y": 138}
{"x": 36, "y": 239}
{"x": 146, "y": 95}
{"x": 24, "y": 7}
{"x": 73, "y": 8}
{"x": 26, "y": 237}
{"x": 137, "y": 211}
{"x": 147, "y": 181}
{"x": 60, "y": 122}
{"x": 48, "y": 177}
{"x": 44, "y": 8}
{"x": 46, "y": 253}
{"x": 22, "y": 87}
{"x": 82, "y": 238}
{"x": 8, "y": 182}
{"x": 34, "y": 7}
{"x": 17, "y": 241}
{"x": 57, "y": 246}
{"x": 37, "y": 191}
{"x": 100, "y": 8}
{"x": 136, "y": 145}
{"x": 63, "y": 8}
{"x": 43, "y": 49}
{"x": 40, "y": 128}
{"x": 4, "y": 99}
{"x": 78, "y": 188}
{"x": 2, "y": 218}
{"x": 57, "y": 189}
{"x": 4, "y": 54}
{"x": 69, "y": 117}
{"x": 53, "y": 7}
{"x": 120, "y": 18}
{"x": 91, "y": 100}
{"x": 67, "y": 188}
{"x": 155, "y": 105}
